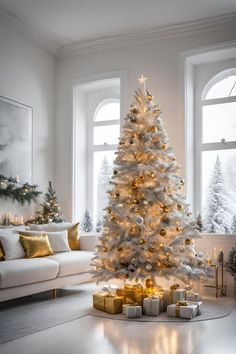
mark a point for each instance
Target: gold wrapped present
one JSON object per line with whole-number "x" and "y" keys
{"x": 132, "y": 294}
{"x": 107, "y": 302}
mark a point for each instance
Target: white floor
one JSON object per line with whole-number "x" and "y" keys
{"x": 93, "y": 335}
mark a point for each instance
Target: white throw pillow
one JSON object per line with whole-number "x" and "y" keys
{"x": 58, "y": 240}
{"x": 12, "y": 246}
{"x": 51, "y": 226}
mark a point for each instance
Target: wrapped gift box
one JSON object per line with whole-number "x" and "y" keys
{"x": 187, "y": 311}
{"x": 132, "y": 311}
{"x": 199, "y": 306}
{"x": 152, "y": 306}
{"x": 190, "y": 296}
{"x": 179, "y": 295}
{"x": 106, "y": 302}
{"x": 132, "y": 294}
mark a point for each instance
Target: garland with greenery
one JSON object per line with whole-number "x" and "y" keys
{"x": 16, "y": 192}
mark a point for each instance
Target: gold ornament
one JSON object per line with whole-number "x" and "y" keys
{"x": 149, "y": 97}
{"x": 163, "y": 232}
{"x": 117, "y": 195}
{"x": 188, "y": 241}
{"x": 141, "y": 241}
{"x": 135, "y": 201}
{"x": 164, "y": 146}
{"x": 149, "y": 283}
{"x": 189, "y": 213}
{"x": 152, "y": 129}
{"x": 165, "y": 219}
{"x": 178, "y": 228}
{"x": 152, "y": 174}
{"x": 179, "y": 207}
{"x": 164, "y": 208}
{"x": 151, "y": 249}
{"x": 105, "y": 249}
{"x": 181, "y": 182}
{"x": 119, "y": 249}
{"x": 134, "y": 110}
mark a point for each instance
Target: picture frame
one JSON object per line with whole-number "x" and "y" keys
{"x": 16, "y": 140}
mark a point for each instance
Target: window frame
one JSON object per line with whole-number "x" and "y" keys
{"x": 200, "y": 147}
{"x": 92, "y": 148}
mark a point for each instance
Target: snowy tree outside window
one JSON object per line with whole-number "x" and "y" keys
{"x": 218, "y": 154}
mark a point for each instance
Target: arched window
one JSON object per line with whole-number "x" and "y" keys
{"x": 104, "y": 134}
{"x": 216, "y": 152}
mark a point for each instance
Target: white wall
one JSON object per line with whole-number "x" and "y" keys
{"x": 160, "y": 61}
{"x": 27, "y": 75}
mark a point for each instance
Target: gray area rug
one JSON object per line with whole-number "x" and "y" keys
{"x": 25, "y": 316}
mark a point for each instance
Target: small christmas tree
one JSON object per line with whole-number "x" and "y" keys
{"x": 87, "y": 223}
{"x": 148, "y": 229}
{"x": 99, "y": 225}
{"x": 233, "y": 226}
{"x": 199, "y": 222}
{"x": 217, "y": 211}
{"x": 50, "y": 211}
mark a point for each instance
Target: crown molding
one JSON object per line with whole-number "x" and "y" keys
{"x": 158, "y": 33}
{"x": 29, "y": 32}
{"x": 163, "y": 32}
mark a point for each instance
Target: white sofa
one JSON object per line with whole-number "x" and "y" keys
{"x": 21, "y": 277}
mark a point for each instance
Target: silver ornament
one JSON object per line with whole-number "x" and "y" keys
{"x": 139, "y": 220}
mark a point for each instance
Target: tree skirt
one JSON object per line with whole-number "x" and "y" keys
{"x": 209, "y": 311}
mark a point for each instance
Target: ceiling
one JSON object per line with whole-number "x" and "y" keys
{"x": 69, "y": 22}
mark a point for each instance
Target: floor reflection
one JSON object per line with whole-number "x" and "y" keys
{"x": 127, "y": 337}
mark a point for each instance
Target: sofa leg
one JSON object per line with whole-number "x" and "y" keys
{"x": 54, "y": 293}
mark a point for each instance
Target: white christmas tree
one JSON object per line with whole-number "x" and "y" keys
{"x": 218, "y": 215}
{"x": 148, "y": 229}
{"x": 104, "y": 177}
{"x": 233, "y": 226}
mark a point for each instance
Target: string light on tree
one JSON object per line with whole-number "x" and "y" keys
{"x": 147, "y": 227}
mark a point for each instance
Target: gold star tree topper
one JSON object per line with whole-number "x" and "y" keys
{"x": 142, "y": 81}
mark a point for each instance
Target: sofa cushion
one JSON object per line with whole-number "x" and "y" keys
{"x": 12, "y": 246}
{"x": 36, "y": 246}
{"x": 73, "y": 262}
{"x": 27, "y": 271}
{"x": 58, "y": 240}
{"x": 72, "y": 229}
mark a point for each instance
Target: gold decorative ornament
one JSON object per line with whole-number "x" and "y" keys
{"x": 179, "y": 207}
{"x": 165, "y": 219}
{"x": 152, "y": 129}
{"x": 149, "y": 97}
{"x": 152, "y": 174}
{"x": 189, "y": 213}
{"x": 149, "y": 283}
{"x": 105, "y": 249}
{"x": 164, "y": 146}
{"x": 134, "y": 110}
{"x": 142, "y": 241}
{"x": 163, "y": 232}
{"x": 117, "y": 195}
{"x": 181, "y": 182}
{"x": 151, "y": 249}
{"x": 188, "y": 241}
{"x": 119, "y": 249}
{"x": 178, "y": 228}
